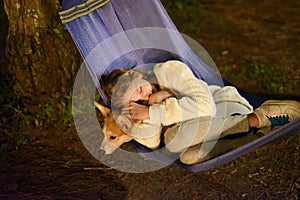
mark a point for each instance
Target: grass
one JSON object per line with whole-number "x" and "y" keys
{"x": 271, "y": 81}
{"x": 22, "y": 139}
{"x": 190, "y": 11}
{"x": 260, "y": 76}
{"x": 15, "y": 117}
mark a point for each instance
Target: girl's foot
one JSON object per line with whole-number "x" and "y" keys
{"x": 275, "y": 113}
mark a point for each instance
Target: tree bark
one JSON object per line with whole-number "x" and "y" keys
{"x": 43, "y": 59}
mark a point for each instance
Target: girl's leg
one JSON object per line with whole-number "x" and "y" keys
{"x": 203, "y": 152}
{"x": 189, "y": 133}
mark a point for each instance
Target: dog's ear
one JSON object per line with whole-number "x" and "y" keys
{"x": 104, "y": 110}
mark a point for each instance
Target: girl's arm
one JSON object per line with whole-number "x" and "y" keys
{"x": 160, "y": 96}
{"x": 141, "y": 112}
{"x": 193, "y": 97}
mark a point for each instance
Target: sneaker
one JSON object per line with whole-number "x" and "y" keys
{"x": 275, "y": 113}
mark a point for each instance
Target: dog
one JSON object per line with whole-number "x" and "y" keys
{"x": 114, "y": 136}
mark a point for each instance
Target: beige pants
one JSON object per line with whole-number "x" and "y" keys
{"x": 221, "y": 146}
{"x": 196, "y": 139}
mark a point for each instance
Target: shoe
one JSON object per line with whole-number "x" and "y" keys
{"x": 275, "y": 113}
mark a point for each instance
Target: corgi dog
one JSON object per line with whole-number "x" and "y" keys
{"x": 114, "y": 136}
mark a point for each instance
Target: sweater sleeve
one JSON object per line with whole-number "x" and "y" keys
{"x": 193, "y": 97}
{"x": 146, "y": 134}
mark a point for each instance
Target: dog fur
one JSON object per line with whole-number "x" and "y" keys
{"x": 114, "y": 137}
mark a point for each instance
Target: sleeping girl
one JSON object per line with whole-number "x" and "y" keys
{"x": 171, "y": 95}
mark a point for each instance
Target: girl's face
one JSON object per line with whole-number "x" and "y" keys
{"x": 139, "y": 90}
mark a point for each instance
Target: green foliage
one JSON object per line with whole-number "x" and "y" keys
{"x": 175, "y": 4}
{"x": 13, "y": 119}
{"x": 58, "y": 111}
{"x": 22, "y": 139}
{"x": 275, "y": 81}
{"x": 195, "y": 17}
{"x": 271, "y": 80}
{"x": 65, "y": 108}
{"x": 16, "y": 118}
{"x": 190, "y": 11}
{"x": 13, "y": 113}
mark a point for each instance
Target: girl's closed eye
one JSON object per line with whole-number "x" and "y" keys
{"x": 140, "y": 90}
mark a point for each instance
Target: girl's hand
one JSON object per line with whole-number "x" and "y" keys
{"x": 137, "y": 111}
{"x": 159, "y": 96}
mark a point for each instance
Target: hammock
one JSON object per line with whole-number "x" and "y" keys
{"x": 123, "y": 33}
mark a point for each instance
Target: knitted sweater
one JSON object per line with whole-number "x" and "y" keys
{"x": 194, "y": 99}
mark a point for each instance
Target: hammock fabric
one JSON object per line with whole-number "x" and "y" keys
{"x": 93, "y": 22}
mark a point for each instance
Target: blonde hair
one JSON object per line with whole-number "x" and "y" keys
{"x": 116, "y": 83}
{"x": 123, "y": 84}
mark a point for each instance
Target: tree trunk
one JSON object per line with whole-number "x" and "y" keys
{"x": 43, "y": 59}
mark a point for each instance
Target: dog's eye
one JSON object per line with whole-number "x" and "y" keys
{"x": 112, "y": 137}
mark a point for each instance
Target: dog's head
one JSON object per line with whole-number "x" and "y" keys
{"x": 114, "y": 137}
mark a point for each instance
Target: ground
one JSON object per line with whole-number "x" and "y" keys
{"x": 255, "y": 45}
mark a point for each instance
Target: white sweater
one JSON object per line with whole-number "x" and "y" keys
{"x": 194, "y": 98}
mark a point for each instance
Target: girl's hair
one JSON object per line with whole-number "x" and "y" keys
{"x": 108, "y": 82}
{"x": 116, "y": 83}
